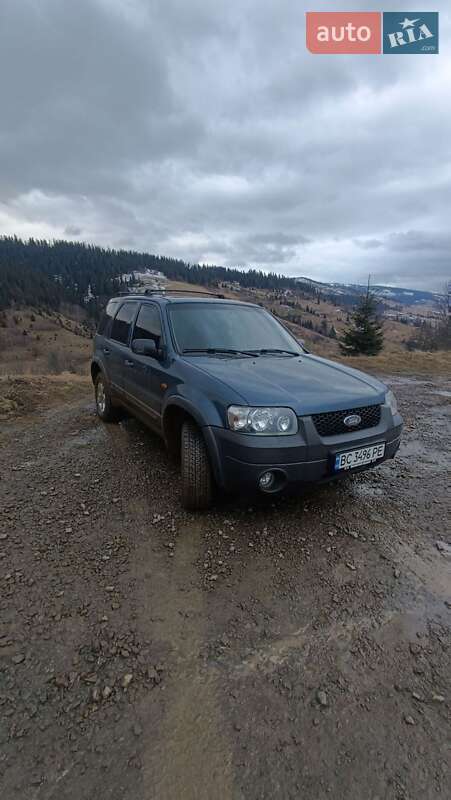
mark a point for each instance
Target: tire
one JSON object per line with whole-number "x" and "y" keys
{"x": 197, "y": 479}
{"x": 104, "y": 405}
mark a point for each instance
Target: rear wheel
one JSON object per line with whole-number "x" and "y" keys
{"x": 104, "y": 406}
{"x": 197, "y": 481}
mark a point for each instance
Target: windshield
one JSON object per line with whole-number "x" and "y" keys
{"x": 217, "y": 326}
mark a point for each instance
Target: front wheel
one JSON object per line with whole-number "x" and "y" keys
{"x": 197, "y": 481}
{"x": 104, "y": 406}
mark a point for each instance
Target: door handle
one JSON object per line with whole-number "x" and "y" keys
{"x": 129, "y": 363}
{"x": 107, "y": 351}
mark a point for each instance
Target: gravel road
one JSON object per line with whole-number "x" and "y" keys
{"x": 296, "y": 649}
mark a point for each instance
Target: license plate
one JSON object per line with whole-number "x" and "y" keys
{"x": 357, "y": 458}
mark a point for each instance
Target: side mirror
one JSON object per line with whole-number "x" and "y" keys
{"x": 145, "y": 347}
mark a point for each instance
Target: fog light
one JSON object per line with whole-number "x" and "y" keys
{"x": 267, "y": 480}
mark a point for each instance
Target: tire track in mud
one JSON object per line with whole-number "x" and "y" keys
{"x": 191, "y": 757}
{"x": 187, "y": 753}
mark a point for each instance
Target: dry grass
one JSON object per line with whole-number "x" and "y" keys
{"x": 22, "y": 394}
{"x": 392, "y": 362}
{"x": 44, "y": 360}
{"x": 182, "y": 286}
{"x": 36, "y": 343}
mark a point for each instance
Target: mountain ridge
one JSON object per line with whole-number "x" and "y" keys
{"x": 400, "y": 295}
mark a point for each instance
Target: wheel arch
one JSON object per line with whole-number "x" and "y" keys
{"x": 95, "y": 369}
{"x": 174, "y": 415}
{"x": 173, "y": 418}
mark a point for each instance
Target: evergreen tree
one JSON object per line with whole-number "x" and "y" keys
{"x": 41, "y": 273}
{"x": 364, "y": 334}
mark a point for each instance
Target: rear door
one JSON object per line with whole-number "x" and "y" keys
{"x": 145, "y": 374}
{"x": 102, "y": 347}
{"x": 119, "y": 341}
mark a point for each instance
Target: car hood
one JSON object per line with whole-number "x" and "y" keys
{"x": 307, "y": 384}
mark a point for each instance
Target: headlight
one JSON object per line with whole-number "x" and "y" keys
{"x": 390, "y": 400}
{"x": 266, "y": 421}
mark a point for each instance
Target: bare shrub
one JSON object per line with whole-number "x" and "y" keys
{"x": 54, "y": 362}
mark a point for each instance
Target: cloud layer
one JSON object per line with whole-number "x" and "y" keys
{"x": 207, "y": 131}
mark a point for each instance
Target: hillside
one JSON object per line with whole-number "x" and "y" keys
{"x": 51, "y": 295}
{"x": 47, "y": 274}
{"x": 51, "y": 273}
{"x": 35, "y": 342}
{"x": 345, "y": 293}
{"x": 44, "y": 359}
{"x": 313, "y": 322}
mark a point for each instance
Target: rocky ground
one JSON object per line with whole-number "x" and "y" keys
{"x": 297, "y": 649}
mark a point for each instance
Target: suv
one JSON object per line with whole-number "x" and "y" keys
{"x": 236, "y": 397}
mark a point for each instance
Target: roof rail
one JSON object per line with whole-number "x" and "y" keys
{"x": 184, "y": 291}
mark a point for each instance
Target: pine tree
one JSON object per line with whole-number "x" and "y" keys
{"x": 37, "y": 272}
{"x": 364, "y": 334}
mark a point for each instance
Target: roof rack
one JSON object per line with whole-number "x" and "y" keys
{"x": 184, "y": 291}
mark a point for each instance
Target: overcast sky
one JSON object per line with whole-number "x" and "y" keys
{"x": 204, "y": 129}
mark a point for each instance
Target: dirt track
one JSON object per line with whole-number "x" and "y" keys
{"x": 289, "y": 650}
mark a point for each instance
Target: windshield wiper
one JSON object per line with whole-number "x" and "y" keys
{"x": 276, "y": 350}
{"x": 221, "y": 351}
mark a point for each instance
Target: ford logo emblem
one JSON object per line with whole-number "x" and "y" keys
{"x": 352, "y": 420}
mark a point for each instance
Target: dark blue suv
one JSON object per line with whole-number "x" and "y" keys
{"x": 236, "y": 397}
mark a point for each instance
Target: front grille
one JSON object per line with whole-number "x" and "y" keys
{"x": 331, "y": 423}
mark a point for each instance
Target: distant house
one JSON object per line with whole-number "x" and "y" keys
{"x": 233, "y": 286}
{"x": 149, "y": 279}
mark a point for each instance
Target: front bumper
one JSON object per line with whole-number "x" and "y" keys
{"x": 239, "y": 460}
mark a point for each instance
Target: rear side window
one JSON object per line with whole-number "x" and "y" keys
{"x": 148, "y": 324}
{"x": 107, "y": 316}
{"x": 122, "y": 322}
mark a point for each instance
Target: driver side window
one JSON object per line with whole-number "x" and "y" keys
{"x": 148, "y": 324}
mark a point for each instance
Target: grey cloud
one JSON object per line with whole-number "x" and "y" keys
{"x": 89, "y": 97}
{"x": 209, "y": 132}
{"x": 420, "y": 241}
{"x": 368, "y": 244}
{"x": 266, "y": 249}
{"x": 280, "y": 238}
{"x": 72, "y": 230}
